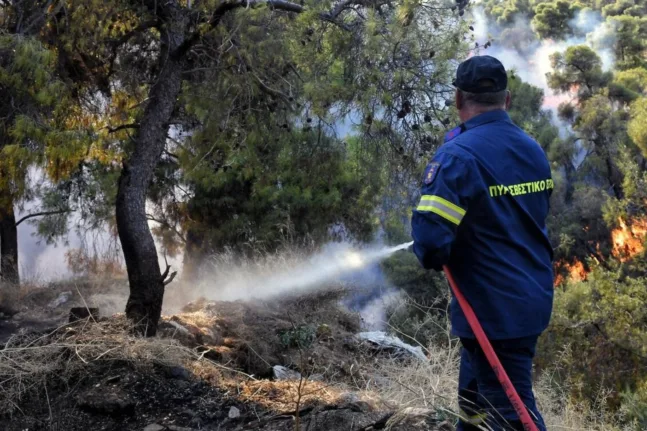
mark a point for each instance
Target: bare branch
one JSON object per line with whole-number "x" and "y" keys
{"x": 168, "y": 268}
{"x": 41, "y": 214}
{"x": 167, "y": 282}
{"x": 167, "y": 225}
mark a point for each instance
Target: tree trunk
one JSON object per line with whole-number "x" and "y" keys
{"x": 9, "y": 246}
{"x": 144, "y": 305}
{"x": 613, "y": 178}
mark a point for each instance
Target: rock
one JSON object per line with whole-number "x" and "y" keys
{"x": 61, "y": 299}
{"x": 392, "y": 344}
{"x": 179, "y": 327}
{"x": 154, "y": 427}
{"x": 282, "y": 373}
{"x": 110, "y": 403}
{"x": 234, "y": 413}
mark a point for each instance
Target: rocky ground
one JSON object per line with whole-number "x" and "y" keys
{"x": 290, "y": 364}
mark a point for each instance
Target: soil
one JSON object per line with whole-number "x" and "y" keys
{"x": 312, "y": 336}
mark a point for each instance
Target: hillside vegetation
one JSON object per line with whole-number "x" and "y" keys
{"x": 191, "y": 128}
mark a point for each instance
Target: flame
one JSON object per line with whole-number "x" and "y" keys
{"x": 576, "y": 272}
{"x": 628, "y": 241}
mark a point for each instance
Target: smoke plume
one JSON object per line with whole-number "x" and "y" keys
{"x": 519, "y": 48}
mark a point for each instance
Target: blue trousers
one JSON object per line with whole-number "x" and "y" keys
{"x": 481, "y": 397}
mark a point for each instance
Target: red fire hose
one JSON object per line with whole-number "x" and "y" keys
{"x": 492, "y": 358}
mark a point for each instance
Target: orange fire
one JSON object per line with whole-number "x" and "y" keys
{"x": 628, "y": 241}
{"x": 576, "y": 272}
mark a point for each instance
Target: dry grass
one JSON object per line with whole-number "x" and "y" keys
{"x": 29, "y": 363}
{"x": 11, "y": 294}
{"x": 562, "y": 414}
{"x": 425, "y": 385}
{"x": 432, "y": 387}
{"x": 199, "y": 319}
{"x": 282, "y": 396}
{"x": 33, "y": 299}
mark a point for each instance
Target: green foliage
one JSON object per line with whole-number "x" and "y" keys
{"x": 631, "y": 35}
{"x": 265, "y": 166}
{"x": 603, "y": 321}
{"x": 300, "y": 337}
{"x": 579, "y": 68}
{"x": 526, "y": 111}
{"x": 637, "y": 127}
{"x": 422, "y": 317}
{"x": 297, "y": 187}
{"x": 599, "y": 319}
{"x": 634, "y": 80}
{"x": 29, "y": 85}
{"x": 552, "y": 19}
{"x": 505, "y": 11}
{"x": 635, "y": 8}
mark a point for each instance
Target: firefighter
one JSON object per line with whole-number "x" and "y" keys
{"x": 485, "y": 199}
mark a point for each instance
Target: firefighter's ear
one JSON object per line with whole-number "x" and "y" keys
{"x": 459, "y": 100}
{"x": 508, "y": 100}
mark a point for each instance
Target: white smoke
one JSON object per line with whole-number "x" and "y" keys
{"x": 518, "y": 47}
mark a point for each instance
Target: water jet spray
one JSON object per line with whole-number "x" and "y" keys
{"x": 287, "y": 273}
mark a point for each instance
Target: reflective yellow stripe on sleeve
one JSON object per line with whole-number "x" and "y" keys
{"x": 442, "y": 207}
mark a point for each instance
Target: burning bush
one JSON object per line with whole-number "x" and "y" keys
{"x": 628, "y": 240}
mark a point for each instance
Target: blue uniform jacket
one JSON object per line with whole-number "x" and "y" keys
{"x": 485, "y": 199}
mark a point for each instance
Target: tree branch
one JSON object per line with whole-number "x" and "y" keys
{"x": 282, "y": 5}
{"x": 122, "y": 127}
{"x": 165, "y": 274}
{"x": 41, "y": 214}
{"x": 174, "y": 156}
{"x": 167, "y": 282}
{"x": 167, "y": 225}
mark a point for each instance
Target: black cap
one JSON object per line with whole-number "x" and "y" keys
{"x": 481, "y": 74}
